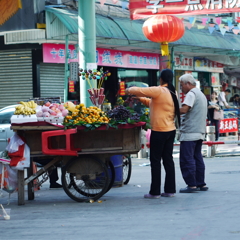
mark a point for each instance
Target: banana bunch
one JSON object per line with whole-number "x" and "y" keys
{"x": 26, "y": 108}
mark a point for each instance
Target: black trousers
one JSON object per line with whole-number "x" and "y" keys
{"x": 161, "y": 148}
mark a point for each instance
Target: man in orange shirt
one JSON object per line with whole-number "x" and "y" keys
{"x": 163, "y": 104}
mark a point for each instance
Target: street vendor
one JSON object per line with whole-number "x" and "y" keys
{"x": 164, "y": 107}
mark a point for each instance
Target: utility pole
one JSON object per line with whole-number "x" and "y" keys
{"x": 66, "y": 70}
{"x": 86, "y": 42}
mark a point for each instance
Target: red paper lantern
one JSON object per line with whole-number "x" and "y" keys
{"x": 163, "y": 29}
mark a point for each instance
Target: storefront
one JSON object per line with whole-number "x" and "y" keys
{"x": 16, "y": 76}
{"x": 132, "y": 68}
{"x": 208, "y": 73}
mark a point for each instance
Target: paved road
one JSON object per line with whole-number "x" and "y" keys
{"x": 125, "y": 215}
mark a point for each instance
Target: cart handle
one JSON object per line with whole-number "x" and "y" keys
{"x": 69, "y": 151}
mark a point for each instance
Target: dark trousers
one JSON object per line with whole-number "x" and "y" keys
{"x": 191, "y": 163}
{"x": 161, "y": 147}
{"x": 216, "y": 124}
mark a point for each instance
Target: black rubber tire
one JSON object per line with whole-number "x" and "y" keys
{"x": 111, "y": 175}
{"x": 85, "y": 178}
{"x": 127, "y": 168}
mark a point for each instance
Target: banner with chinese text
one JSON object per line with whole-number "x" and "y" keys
{"x": 206, "y": 65}
{"x": 125, "y": 59}
{"x": 146, "y": 8}
{"x": 183, "y": 64}
{"x": 228, "y": 125}
{"x": 55, "y": 53}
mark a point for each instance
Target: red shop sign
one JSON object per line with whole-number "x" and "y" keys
{"x": 146, "y": 8}
{"x": 228, "y": 125}
{"x": 71, "y": 86}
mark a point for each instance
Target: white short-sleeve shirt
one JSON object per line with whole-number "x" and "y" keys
{"x": 222, "y": 99}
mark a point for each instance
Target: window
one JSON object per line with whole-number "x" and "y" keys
{"x": 6, "y": 114}
{"x": 134, "y": 77}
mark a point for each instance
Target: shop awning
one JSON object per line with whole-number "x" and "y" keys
{"x": 194, "y": 40}
{"x": 202, "y": 38}
{"x": 107, "y": 27}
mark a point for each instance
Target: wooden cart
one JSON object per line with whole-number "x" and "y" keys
{"x": 83, "y": 155}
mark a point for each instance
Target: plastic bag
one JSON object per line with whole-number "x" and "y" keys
{"x": 24, "y": 161}
{"x": 8, "y": 178}
{"x": 14, "y": 143}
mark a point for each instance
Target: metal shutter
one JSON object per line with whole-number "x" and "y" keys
{"x": 15, "y": 76}
{"x": 52, "y": 80}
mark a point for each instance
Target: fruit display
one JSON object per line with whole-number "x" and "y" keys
{"x": 51, "y": 110}
{"x": 26, "y": 108}
{"x": 122, "y": 114}
{"x": 90, "y": 117}
{"x": 71, "y": 115}
{"x": 119, "y": 113}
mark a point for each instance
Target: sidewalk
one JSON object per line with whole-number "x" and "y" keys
{"x": 124, "y": 214}
{"x": 222, "y": 150}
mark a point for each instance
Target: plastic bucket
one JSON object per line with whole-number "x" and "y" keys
{"x": 117, "y": 161}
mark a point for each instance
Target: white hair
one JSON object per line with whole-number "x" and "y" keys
{"x": 188, "y": 78}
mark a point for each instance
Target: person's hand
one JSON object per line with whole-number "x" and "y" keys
{"x": 126, "y": 91}
{"x": 136, "y": 98}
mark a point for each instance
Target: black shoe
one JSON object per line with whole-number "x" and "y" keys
{"x": 55, "y": 185}
{"x": 188, "y": 190}
{"x": 203, "y": 188}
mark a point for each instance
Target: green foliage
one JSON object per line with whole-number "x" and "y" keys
{"x": 88, "y": 126}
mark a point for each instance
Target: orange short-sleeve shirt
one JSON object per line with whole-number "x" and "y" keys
{"x": 161, "y": 105}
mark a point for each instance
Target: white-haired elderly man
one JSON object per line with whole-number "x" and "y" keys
{"x": 192, "y": 134}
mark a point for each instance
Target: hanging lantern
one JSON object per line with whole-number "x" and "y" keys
{"x": 163, "y": 29}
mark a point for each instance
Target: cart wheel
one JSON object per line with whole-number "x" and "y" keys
{"x": 127, "y": 168}
{"x": 85, "y": 178}
{"x": 111, "y": 172}
{"x": 111, "y": 175}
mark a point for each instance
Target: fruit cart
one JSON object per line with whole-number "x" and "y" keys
{"x": 87, "y": 172}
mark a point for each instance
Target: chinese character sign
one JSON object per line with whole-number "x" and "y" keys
{"x": 125, "y": 59}
{"x": 145, "y": 8}
{"x": 122, "y": 88}
{"x": 206, "y": 65}
{"x": 55, "y": 53}
{"x": 71, "y": 86}
{"x": 183, "y": 64}
{"x": 228, "y": 125}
